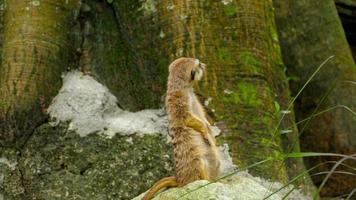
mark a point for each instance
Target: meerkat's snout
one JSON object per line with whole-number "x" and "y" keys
{"x": 202, "y": 65}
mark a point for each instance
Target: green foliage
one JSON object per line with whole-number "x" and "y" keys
{"x": 109, "y": 1}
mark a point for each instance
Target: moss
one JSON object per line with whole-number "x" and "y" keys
{"x": 10, "y": 175}
{"x": 230, "y": 10}
{"x": 273, "y": 33}
{"x": 57, "y": 164}
{"x": 277, "y": 106}
{"x": 224, "y": 54}
{"x": 247, "y": 58}
{"x": 248, "y": 94}
{"x": 232, "y": 98}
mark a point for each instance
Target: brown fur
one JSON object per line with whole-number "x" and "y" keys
{"x": 195, "y": 152}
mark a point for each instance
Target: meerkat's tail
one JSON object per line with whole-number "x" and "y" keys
{"x": 163, "y": 183}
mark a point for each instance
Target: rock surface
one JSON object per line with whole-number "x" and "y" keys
{"x": 59, "y": 164}
{"x": 10, "y": 175}
{"x": 240, "y": 186}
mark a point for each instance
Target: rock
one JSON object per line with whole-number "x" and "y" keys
{"x": 240, "y": 186}
{"x": 91, "y": 149}
{"x": 10, "y": 175}
{"x": 59, "y": 164}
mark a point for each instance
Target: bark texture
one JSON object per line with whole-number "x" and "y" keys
{"x": 347, "y": 13}
{"x": 243, "y": 56}
{"x": 245, "y": 87}
{"x": 310, "y": 32}
{"x": 35, "y": 51}
{"x": 119, "y": 57}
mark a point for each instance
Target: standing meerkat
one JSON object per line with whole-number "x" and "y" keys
{"x": 195, "y": 153}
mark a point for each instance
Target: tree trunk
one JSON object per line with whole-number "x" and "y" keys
{"x": 239, "y": 70}
{"x": 310, "y": 32}
{"x": 141, "y": 57}
{"x": 117, "y": 58}
{"x": 1, "y": 26}
{"x": 245, "y": 84}
{"x": 346, "y": 10}
{"x": 35, "y": 51}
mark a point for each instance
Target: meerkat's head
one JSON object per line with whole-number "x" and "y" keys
{"x": 184, "y": 71}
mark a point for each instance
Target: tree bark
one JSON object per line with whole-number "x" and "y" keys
{"x": 347, "y": 13}
{"x": 115, "y": 56}
{"x": 245, "y": 84}
{"x": 141, "y": 59}
{"x": 310, "y": 32}
{"x": 239, "y": 70}
{"x": 36, "y": 50}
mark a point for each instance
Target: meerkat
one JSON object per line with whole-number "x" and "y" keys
{"x": 195, "y": 152}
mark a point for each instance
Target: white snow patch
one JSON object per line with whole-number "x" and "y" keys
{"x": 144, "y": 121}
{"x": 91, "y": 108}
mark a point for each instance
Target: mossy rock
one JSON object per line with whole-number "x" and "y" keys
{"x": 59, "y": 164}
{"x": 10, "y": 175}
